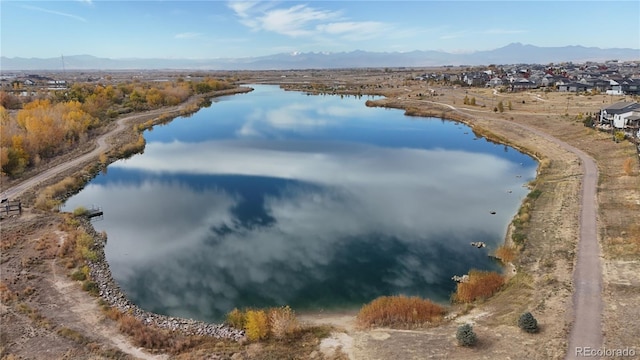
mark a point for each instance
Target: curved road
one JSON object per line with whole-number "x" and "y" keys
{"x": 586, "y": 330}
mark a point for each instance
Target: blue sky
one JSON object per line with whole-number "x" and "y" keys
{"x": 223, "y": 29}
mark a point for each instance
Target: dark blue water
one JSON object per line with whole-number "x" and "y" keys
{"x": 319, "y": 202}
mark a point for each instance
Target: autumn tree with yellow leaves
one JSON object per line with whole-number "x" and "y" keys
{"x": 39, "y": 131}
{"x": 59, "y": 120}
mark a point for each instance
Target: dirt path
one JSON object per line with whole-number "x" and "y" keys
{"x": 75, "y": 302}
{"x": 102, "y": 145}
{"x": 587, "y": 276}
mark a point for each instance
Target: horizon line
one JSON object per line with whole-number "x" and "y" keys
{"x": 296, "y": 53}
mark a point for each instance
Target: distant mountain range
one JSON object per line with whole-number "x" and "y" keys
{"x": 514, "y": 53}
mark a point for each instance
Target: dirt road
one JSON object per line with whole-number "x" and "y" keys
{"x": 587, "y": 276}
{"x": 101, "y": 146}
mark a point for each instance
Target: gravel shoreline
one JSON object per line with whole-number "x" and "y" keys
{"x": 111, "y": 293}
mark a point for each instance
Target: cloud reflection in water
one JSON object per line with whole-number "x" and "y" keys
{"x": 358, "y": 219}
{"x": 196, "y": 229}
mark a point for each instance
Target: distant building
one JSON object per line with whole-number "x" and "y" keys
{"x": 614, "y": 88}
{"x": 56, "y": 84}
{"x": 496, "y": 81}
{"x": 630, "y": 86}
{"x": 523, "y": 84}
{"x": 574, "y": 87}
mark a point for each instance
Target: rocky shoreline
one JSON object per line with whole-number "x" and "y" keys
{"x": 111, "y": 293}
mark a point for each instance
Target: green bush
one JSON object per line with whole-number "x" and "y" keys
{"x": 466, "y": 336}
{"x": 91, "y": 287}
{"x": 534, "y": 194}
{"x": 78, "y": 275}
{"x": 518, "y": 238}
{"x": 528, "y": 323}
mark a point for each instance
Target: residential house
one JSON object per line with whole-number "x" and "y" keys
{"x": 632, "y": 125}
{"x": 475, "y": 78}
{"x": 496, "y": 81}
{"x": 56, "y": 84}
{"x": 563, "y": 81}
{"x": 599, "y": 84}
{"x": 574, "y": 87}
{"x": 630, "y": 86}
{"x": 548, "y": 80}
{"x": 614, "y": 88}
{"x": 523, "y": 84}
{"x": 620, "y": 115}
{"x": 449, "y": 77}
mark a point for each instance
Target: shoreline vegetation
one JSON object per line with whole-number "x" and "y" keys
{"x": 384, "y": 311}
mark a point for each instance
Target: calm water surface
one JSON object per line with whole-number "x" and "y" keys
{"x": 319, "y": 202}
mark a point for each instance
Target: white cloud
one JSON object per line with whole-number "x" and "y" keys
{"x": 355, "y": 189}
{"x": 503, "y": 31}
{"x": 354, "y": 30}
{"x": 303, "y": 20}
{"x": 297, "y": 117}
{"x": 453, "y": 35}
{"x": 245, "y": 10}
{"x": 59, "y": 13}
{"x": 293, "y": 117}
{"x": 241, "y": 8}
{"x": 291, "y": 160}
{"x": 187, "y": 35}
{"x": 295, "y": 20}
{"x": 201, "y": 210}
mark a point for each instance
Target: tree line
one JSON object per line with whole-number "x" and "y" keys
{"x": 54, "y": 122}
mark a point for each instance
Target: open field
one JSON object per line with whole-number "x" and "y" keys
{"x": 51, "y": 317}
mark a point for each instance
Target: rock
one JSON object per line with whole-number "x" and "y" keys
{"x": 111, "y": 293}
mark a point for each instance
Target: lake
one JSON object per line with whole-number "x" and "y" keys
{"x": 319, "y": 202}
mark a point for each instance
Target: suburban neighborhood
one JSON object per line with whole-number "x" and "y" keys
{"x": 617, "y": 79}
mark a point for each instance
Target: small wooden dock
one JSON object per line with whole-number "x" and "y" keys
{"x": 94, "y": 213}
